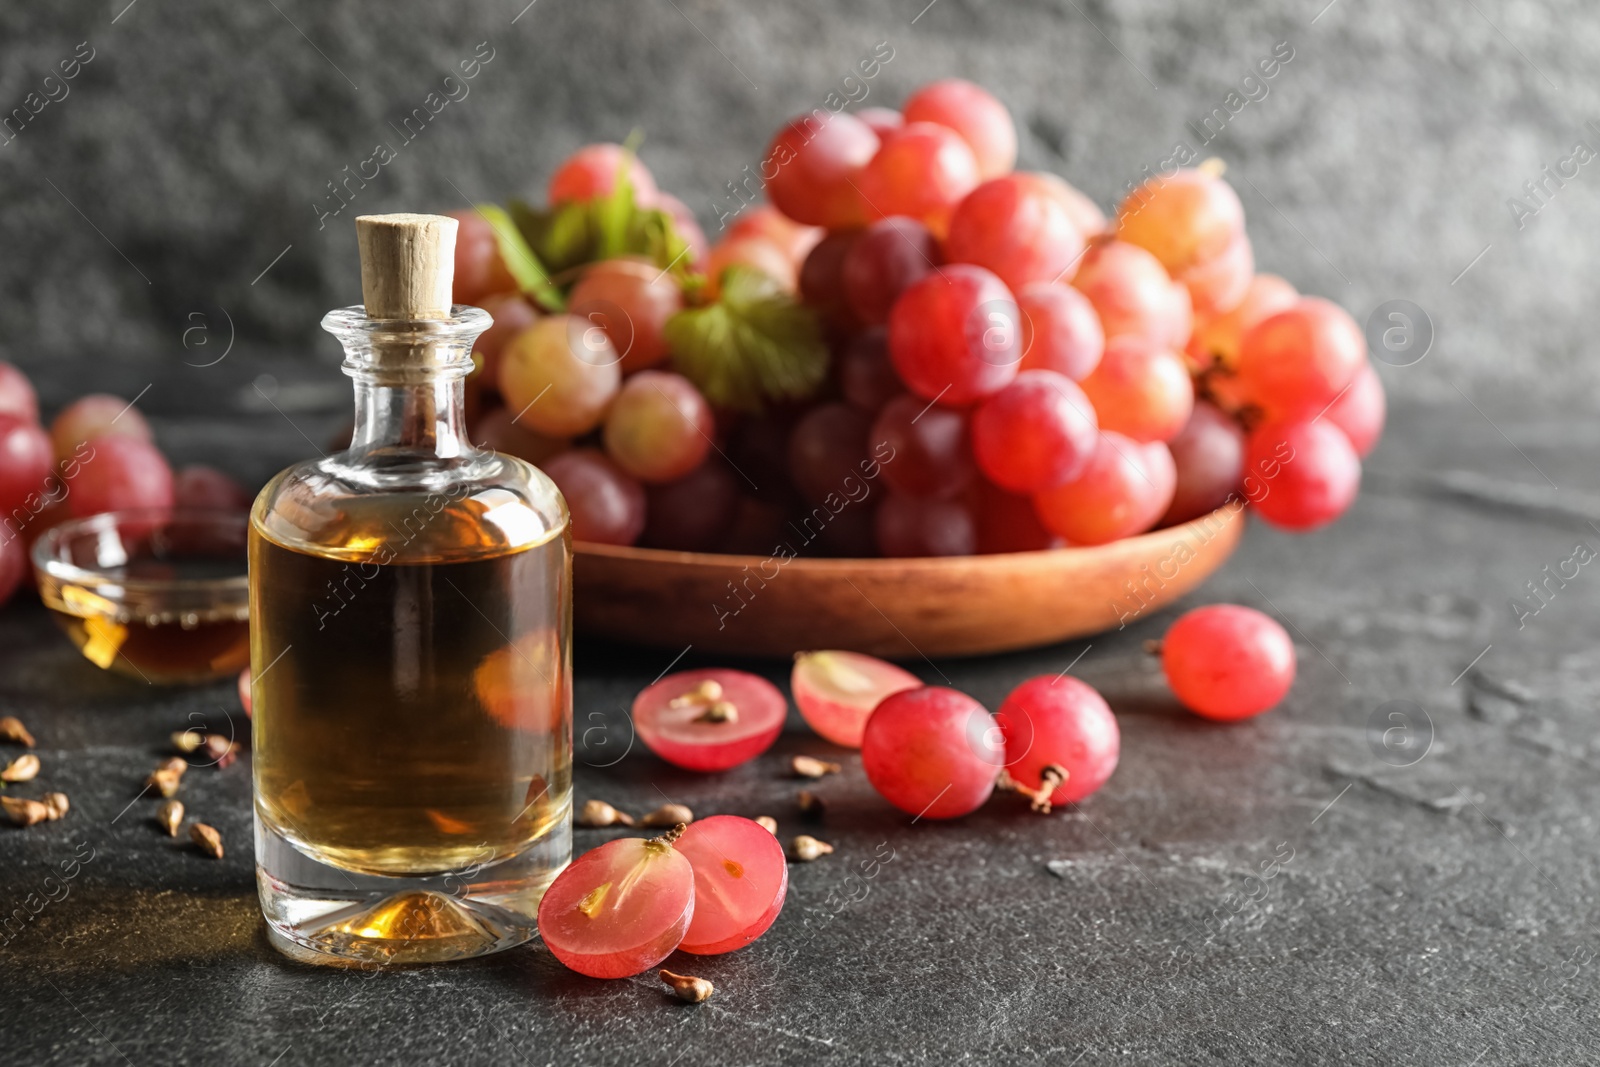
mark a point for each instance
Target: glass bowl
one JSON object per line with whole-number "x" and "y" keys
{"x": 159, "y": 595}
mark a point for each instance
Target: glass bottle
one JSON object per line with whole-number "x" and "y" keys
{"x": 410, "y": 605}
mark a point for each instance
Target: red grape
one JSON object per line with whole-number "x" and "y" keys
{"x": 740, "y": 880}
{"x": 659, "y": 426}
{"x": 889, "y": 256}
{"x": 1124, "y": 490}
{"x": 1184, "y": 218}
{"x": 931, "y": 448}
{"x": 1134, "y": 294}
{"x": 1300, "y": 475}
{"x": 559, "y": 375}
{"x": 1228, "y": 662}
{"x": 16, "y": 394}
{"x": 1083, "y": 212}
{"x": 1360, "y": 411}
{"x": 1015, "y": 228}
{"x": 910, "y": 527}
{"x": 95, "y": 415}
{"x": 816, "y": 163}
{"x": 866, "y": 376}
{"x": 837, "y": 691}
{"x": 1217, "y": 340}
{"x": 922, "y": 171}
{"x": 932, "y": 752}
{"x": 1007, "y": 522}
{"x": 592, "y": 172}
{"x": 26, "y": 461}
{"x": 688, "y": 227}
{"x": 631, "y": 300}
{"x": 1036, "y": 433}
{"x": 822, "y": 280}
{"x": 982, "y": 121}
{"x": 606, "y": 506}
{"x": 827, "y": 449}
{"x": 619, "y": 909}
{"x": 1141, "y": 390}
{"x": 757, "y": 253}
{"x": 498, "y": 431}
{"x": 1061, "y": 330}
{"x": 1056, "y": 720}
{"x": 512, "y": 314}
{"x": 693, "y": 513}
{"x": 1217, "y": 285}
{"x": 881, "y": 120}
{"x": 709, "y": 720}
{"x": 479, "y": 270}
{"x": 953, "y": 336}
{"x": 1208, "y": 454}
{"x": 770, "y": 224}
{"x": 202, "y": 488}
{"x": 1295, "y": 363}
{"x": 121, "y": 473}
{"x": 852, "y": 533}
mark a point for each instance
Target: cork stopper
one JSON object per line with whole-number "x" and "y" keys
{"x": 407, "y": 265}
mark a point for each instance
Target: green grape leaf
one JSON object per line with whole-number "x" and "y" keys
{"x": 521, "y": 260}
{"x": 753, "y": 346}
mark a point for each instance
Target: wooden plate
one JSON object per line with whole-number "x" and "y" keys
{"x": 898, "y": 608}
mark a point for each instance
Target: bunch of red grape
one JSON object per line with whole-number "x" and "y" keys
{"x": 98, "y": 455}
{"x": 1008, "y": 369}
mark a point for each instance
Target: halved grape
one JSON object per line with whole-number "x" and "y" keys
{"x": 932, "y": 752}
{"x": 709, "y": 720}
{"x": 922, "y": 171}
{"x": 930, "y": 445}
{"x": 1141, "y": 390}
{"x": 1036, "y": 433}
{"x": 1228, "y": 662}
{"x": 1057, "y": 722}
{"x": 1360, "y": 411}
{"x": 1124, "y": 490}
{"x": 1013, "y": 226}
{"x": 911, "y": 527}
{"x": 619, "y": 909}
{"x": 1061, "y": 330}
{"x": 740, "y": 880}
{"x": 816, "y": 162}
{"x": 95, "y": 415}
{"x": 605, "y": 504}
{"x": 890, "y": 255}
{"x": 693, "y": 513}
{"x": 1184, "y": 218}
{"x": 25, "y": 464}
{"x": 659, "y": 426}
{"x": 1134, "y": 294}
{"x": 118, "y": 473}
{"x": 559, "y": 375}
{"x": 1297, "y": 362}
{"x": 867, "y": 376}
{"x": 201, "y": 488}
{"x": 837, "y": 691}
{"x": 16, "y": 394}
{"x": 973, "y": 112}
{"x": 1217, "y": 340}
{"x": 954, "y": 336}
{"x": 1300, "y": 475}
{"x": 1208, "y": 455}
{"x": 592, "y": 171}
{"x": 631, "y": 300}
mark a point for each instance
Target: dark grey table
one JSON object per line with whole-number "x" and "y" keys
{"x": 1433, "y": 913}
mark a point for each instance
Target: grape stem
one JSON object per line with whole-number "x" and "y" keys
{"x": 1050, "y": 779}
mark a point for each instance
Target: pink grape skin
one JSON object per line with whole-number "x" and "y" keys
{"x": 1140, "y": 390}
{"x": 953, "y": 336}
{"x": 1295, "y": 363}
{"x": 827, "y": 448}
{"x": 479, "y": 270}
{"x": 932, "y": 752}
{"x": 498, "y": 431}
{"x": 908, "y": 527}
{"x": 17, "y": 396}
{"x": 890, "y": 255}
{"x": 1084, "y": 213}
{"x": 1300, "y": 475}
{"x": 512, "y": 314}
{"x": 1208, "y": 454}
{"x": 1015, "y": 228}
{"x": 1056, "y": 719}
{"x": 560, "y": 376}
{"x": 816, "y": 163}
{"x": 1218, "y": 285}
{"x": 688, "y": 227}
{"x": 1228, "y": 662}
{"x": 1217, "y": 340}
{"x": 740, "y": 880}
{"x": 1061, "y": 330}
{"x": 931, "y": 446}
{"x": 592, "y": 171}
{"x": 26, "y": 460}
{"x": 867, "y": 377}
{"x": 13, "y": 564}
{"x": 693, "y": 513}
{"x": 1036, "y": 433}
{"x": 1133, "y": 294}
{"x": 637, "y": 923}
{"x": 1184, "y": 218}
{"x": 1126, "y": 487}
{"x": 631, "y": 300}
{"x": 837, "y": 691}
{"x": 922, "y": 171}
{"x": 1007, "y": 522}
{"x": 95, "y": 415}
{"x": 120, "y": 474}
{"x": 659, "y": 427}
{"x": 770, "y": 224}
{"x": 607, "y": 507}
{"x": 1360, "y": 411}
{"x": 972, "y": 111}
{"x": 881, "y": 120}
{"x": 822, "y": 280}
{"x": 201, "y": 488}
{"x": 675, "y": 736}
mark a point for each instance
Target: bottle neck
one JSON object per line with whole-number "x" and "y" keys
{"x": 428, "y": 416}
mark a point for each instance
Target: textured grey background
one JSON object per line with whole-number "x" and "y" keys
{"x": 190, "y": 151}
